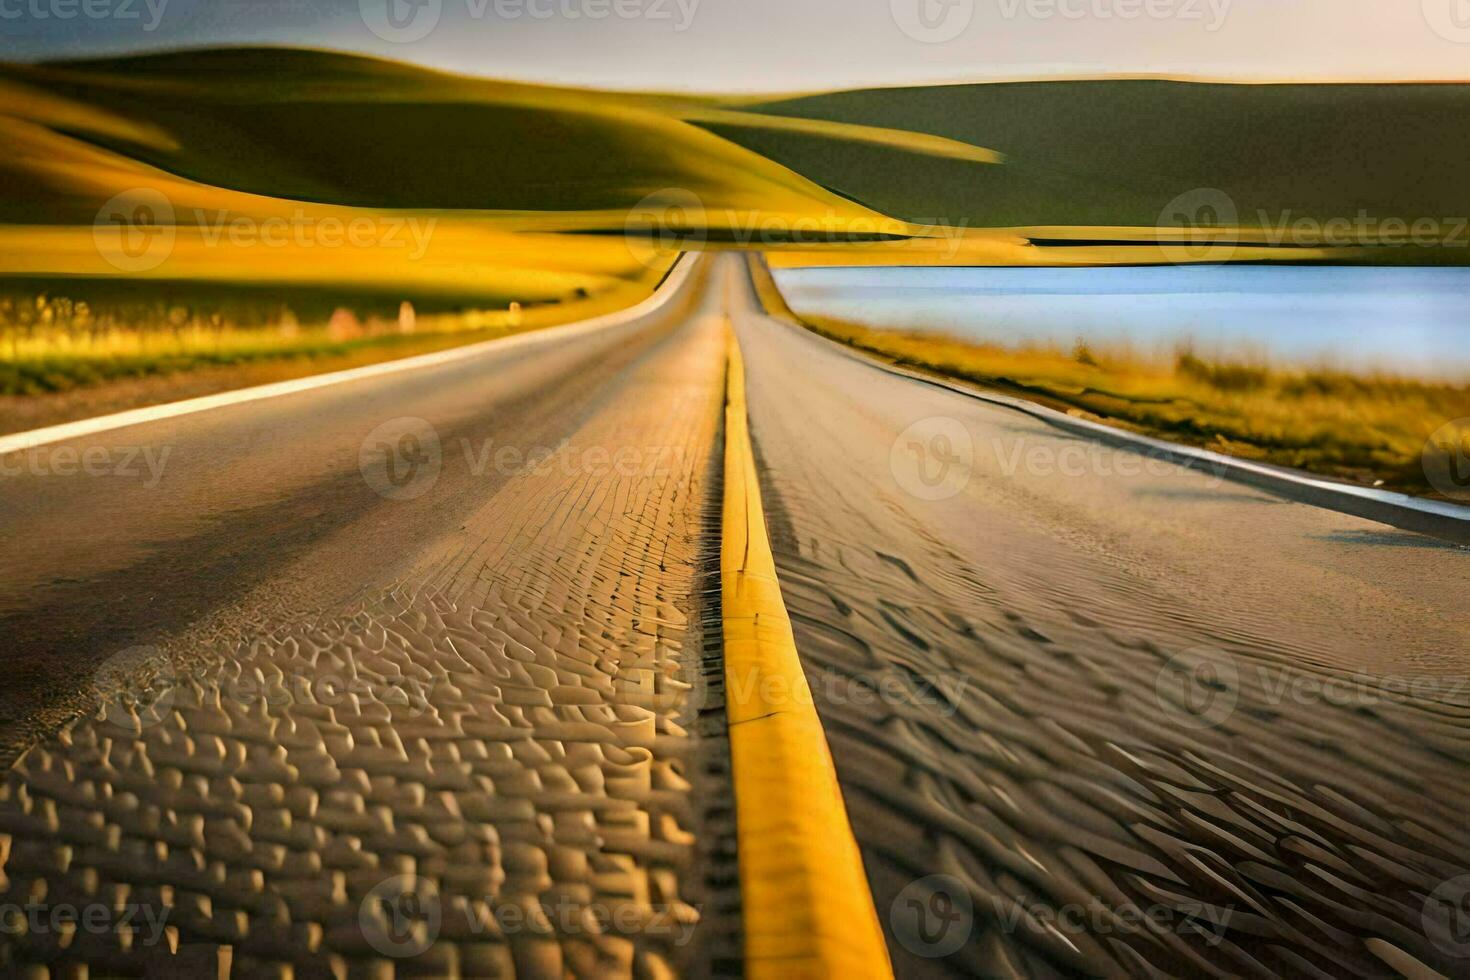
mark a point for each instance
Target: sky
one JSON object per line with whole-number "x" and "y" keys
{"x": 791, "y": 45}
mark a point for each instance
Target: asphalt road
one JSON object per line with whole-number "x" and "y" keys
{"x": 1096, "y": 713}
{"x": 412, "y": 674}
{"x": 414, "y": 658}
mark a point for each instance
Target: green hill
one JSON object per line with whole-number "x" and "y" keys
{"x": 1086, "y": 159}
{"x": 1115, "y": 152}
{"x": 341, "y": 129}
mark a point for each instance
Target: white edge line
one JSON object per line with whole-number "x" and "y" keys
{"x": 1219, "y": 461}
{"x": 666, "y": 290}
{"x": 1220, "y": 464}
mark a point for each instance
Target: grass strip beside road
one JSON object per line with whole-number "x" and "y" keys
{"x": 55, "y": 378}
{"x": 1369, "y": 430}
{"x": 59, "y": 348}
{"x": 806, "y": 905}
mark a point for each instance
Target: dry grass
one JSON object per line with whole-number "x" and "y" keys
{"x": 1368, "y": 429}
{"x": 51, "y": 343}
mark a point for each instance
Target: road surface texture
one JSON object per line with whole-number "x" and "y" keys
{"x": 407, "y": 667}
{"x": 407, "y": 676}
{"x": 1099, "y": 714}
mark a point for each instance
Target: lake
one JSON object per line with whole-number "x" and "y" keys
{"x": 1404, "y": 320}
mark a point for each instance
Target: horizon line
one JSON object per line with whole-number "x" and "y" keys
{"x": 774, "y": 93}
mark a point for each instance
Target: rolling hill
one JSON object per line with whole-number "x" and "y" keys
{"x": 1073, "y": 171}
{"x": 1115, "y": 152}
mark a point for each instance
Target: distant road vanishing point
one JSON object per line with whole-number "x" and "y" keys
{"x": 422, "y": 672}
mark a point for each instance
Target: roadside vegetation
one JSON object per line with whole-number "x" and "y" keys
{"x": 82, "y": 333}
{"x": 1369, "y": 429}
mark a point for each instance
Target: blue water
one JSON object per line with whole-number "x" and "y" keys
{"x": 1400, "y": 320}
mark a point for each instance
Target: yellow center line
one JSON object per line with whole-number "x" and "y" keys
{"x": 807, "y": 908}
